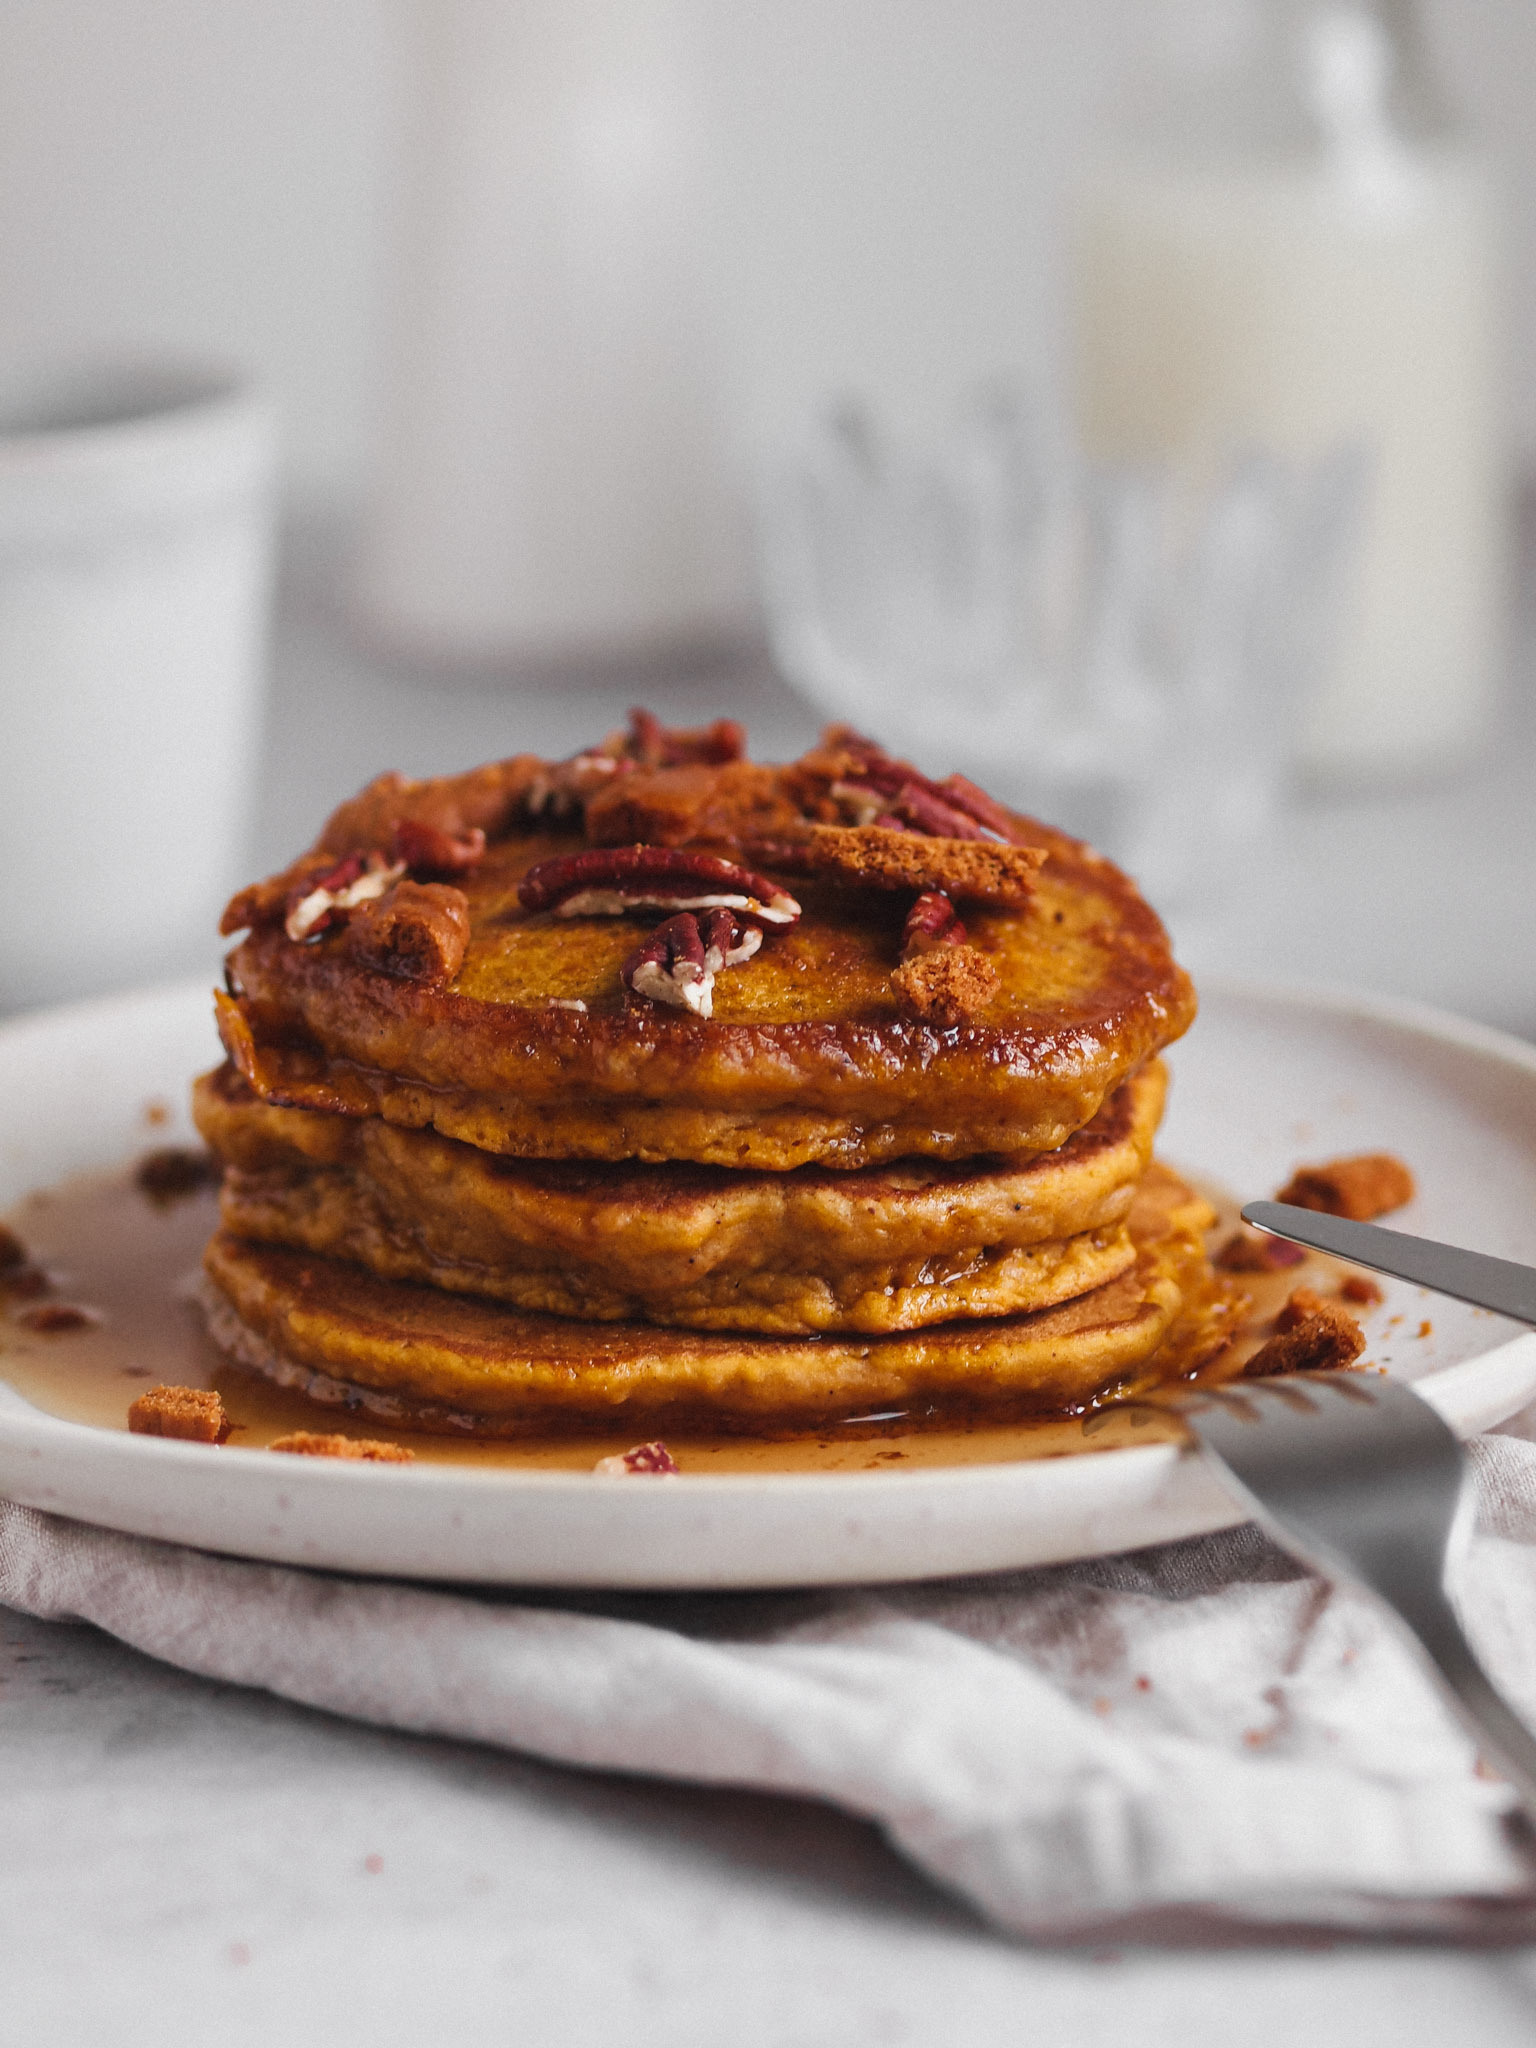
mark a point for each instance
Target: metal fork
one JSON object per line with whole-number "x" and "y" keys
{"x": 1359, "y": 1478}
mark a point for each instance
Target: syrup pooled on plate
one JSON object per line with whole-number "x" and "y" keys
{"x": 130, "y": 1259}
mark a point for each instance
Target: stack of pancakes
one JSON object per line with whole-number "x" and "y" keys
{"x": 508, "y": 1147}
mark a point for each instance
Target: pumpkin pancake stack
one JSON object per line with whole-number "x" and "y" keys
{"x": 657, "y": 1087}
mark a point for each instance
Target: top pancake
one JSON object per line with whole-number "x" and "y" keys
{"x": 811, "y": 1054}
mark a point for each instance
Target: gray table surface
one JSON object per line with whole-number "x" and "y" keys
{"x": 185, "y": 1863}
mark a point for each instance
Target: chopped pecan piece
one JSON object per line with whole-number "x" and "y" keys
{"x": 172, "y": 1172}
{"x": 871, "y": 856}
{"x": 432, "y": 855}
{"x": 13, "y": 1252}
{"x": 1245, "y": 1251}
{"x": 947, "y": 986}
{"x": 1311, "y": 1335}
{"x": 640, "y": 1459}
{"x": 369, "y": 1450}
{"x": 315, "y": 905}
{"x": 1360, "y": 1188}
{"x": 263, "y": 903}
{"x": 727, "y": 941}
{"x": 193, "y": 1413}
{"x": 952, "y": 809}
{"x": 931, "y": 923}
{"x": 671, "y": 967}
{"x": 419, "y": 932}
{"x": 565, "y": 786}
{"x": 611, "y": 881}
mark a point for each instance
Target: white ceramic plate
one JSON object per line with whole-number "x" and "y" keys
{"x": 1266, "y": 1078}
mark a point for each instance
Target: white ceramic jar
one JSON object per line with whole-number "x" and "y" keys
{"x": 135, "y": 554}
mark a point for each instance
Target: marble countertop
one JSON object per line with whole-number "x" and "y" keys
{"x": 186, "y": 1863}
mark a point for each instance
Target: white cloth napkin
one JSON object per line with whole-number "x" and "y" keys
{"x": 1201, "y": 1727}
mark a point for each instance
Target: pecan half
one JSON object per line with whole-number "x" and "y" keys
{"x": 610, "y": 881}
{"x": 671, "y": 968}
{"x": 964, "y": 795}
{"x": 931, "y": 923}
{"x": 419, "y": 932}
{"x": 679, "y": 961}
{"x": 431, "y": 855}
{"x": 870, "y": 856}
{"x": 315, "y": 905}
{"x": 952, "y": 809}
{"x": 948, "y": 986}
{"x": 639, "y": 1460}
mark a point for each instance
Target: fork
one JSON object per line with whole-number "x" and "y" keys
{"x": 1358, "y": 1477}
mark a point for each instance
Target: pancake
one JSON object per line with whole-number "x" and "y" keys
{"x": 883, "y": 1248}
{"x": 508, "y": 1027}
{"x": 422, "y": 1358}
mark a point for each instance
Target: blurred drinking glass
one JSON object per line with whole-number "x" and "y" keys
{"x": 135, "y": 554}
{"x": 1091, "y": 643}
{"x": 1292, "y": 246}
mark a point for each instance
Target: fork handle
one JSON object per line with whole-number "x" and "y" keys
{"x": 1484, "y": 1711}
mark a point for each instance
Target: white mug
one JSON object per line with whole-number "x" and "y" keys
{"x": 136, "y": 518}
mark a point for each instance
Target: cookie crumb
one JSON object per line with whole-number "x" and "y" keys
{"x": 1311, "y": 1335}
{"x": 1361, "y": 1289}
{"x": 947, "y": 987}
{"x": 195, "y": 1414}
{"x": 308, "y": 1443}
{"x": 1360, "y": 1188}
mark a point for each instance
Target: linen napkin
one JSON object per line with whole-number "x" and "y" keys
{"x": 1199, "y": 1728}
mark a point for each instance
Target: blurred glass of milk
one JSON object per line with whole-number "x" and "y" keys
{"x": 549, "y": 488}
{"x": 1295, "y": 248}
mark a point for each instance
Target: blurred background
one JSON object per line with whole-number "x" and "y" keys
{"x": 1129, "y": 403}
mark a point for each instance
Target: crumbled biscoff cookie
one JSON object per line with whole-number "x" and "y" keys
{"x": 1361, "y": 1289}
{"x": 307, "y": 1443}
{"x": 1311, "y": 1335}
{"x": 1359, "y": 1188}
{"x": 195, "y": 1414}
{"x": 972, "y": 870}
{"x": 947, "y": 987}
